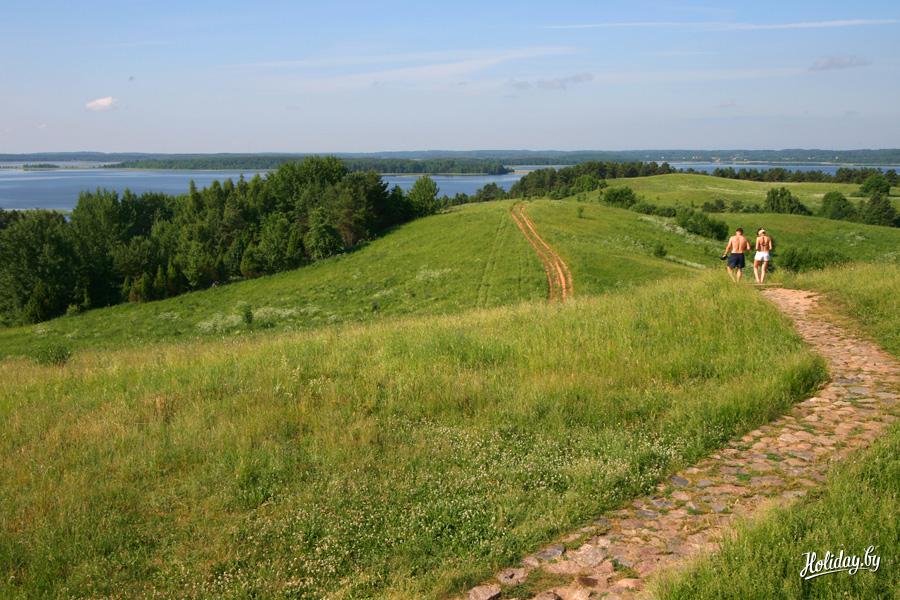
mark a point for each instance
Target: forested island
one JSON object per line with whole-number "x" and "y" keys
{"x": 259, "y": 162}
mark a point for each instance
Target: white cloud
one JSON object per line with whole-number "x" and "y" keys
{"x": 446, "y": 72}
{"x": 832, "y": 63}
{"x": 102, "y": 104}
{"x": 726, "y": 26}
{"x": 42, "y": 126}
{"x": 555, "y": 83}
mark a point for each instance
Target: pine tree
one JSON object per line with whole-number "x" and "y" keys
{"x": 159, "y": 283}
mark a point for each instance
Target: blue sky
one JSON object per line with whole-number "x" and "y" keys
{"x": 366, "y": 76}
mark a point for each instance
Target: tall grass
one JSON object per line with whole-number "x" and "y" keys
{"x": 857, "y": 508}
{"x": 403, "y": 459}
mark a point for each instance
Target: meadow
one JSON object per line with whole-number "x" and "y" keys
{"x": 471, "y": 257}
{"x": 394, "y": 459}
{"x": 687, "y": 189}
{"x": 859, "y": 505}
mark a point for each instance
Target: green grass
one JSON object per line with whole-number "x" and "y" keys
{"x": 858, "y": 507}
{"x": 608, "y": 248}
{"x": 471, "y": 257}
{"x": 395, "y": 459}
{"x": 869, "y": 294}
{"x": 678, "y": 188}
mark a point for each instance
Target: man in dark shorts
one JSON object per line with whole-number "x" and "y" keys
{"x": 734, "y": 251}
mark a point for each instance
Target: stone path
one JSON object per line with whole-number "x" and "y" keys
{"x": 773, "y": 465}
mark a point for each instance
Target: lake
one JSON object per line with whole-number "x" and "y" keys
{"x": 59, "y": 189}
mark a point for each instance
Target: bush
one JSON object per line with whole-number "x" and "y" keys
{"x": 875, "y": 184}
{"x": 798, "y": 260}
{"x": 878, "y": 210}
{"x": 716, "y": 206}
{"x": 781, "y": 200}
{"x": 246, "y": 314}
{"x": 836, "y": 206}
{"x": 622, "y": 197}
{"x": 659, "y": 251}
{"x": 701, "y": 224}
{"x": 52, "y": 354}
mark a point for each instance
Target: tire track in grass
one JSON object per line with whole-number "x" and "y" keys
{"x": 559, "y": 277}
{"x": 490, "y": 265}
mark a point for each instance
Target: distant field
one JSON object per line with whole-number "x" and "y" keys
{"x": 398, "y": 459}
{"x": 678, "y": 188}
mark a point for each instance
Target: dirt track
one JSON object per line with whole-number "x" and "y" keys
{"x": 559, "y": 277}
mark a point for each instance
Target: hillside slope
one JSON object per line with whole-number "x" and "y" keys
{"x": 406, "y": 458}
{"x": 683, "y": 188}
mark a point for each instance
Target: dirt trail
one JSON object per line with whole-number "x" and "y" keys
{"x": 686, "y": 516}
{"x": 559, "y": 277}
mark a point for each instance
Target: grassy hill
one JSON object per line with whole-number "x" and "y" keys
{"x": 389, "y": 457}
{"x": 470, "y": 257}
{"x": 678, "y": 188}
{"x": 406, "y": 458}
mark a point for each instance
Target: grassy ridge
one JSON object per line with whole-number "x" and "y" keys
{"x": 680, "y": 188}
{"x": 471, "y": 257}
{"x": 393, "y": 459}
{"x": 858, "y": 507}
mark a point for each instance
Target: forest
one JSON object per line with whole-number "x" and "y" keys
{"x": 129, "y": 247}
{"x": 433, "y": 166}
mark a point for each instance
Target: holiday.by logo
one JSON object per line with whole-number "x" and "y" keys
{"x": 835, "y": 563}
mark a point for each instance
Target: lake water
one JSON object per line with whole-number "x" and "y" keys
{"x": 59, "y": 189}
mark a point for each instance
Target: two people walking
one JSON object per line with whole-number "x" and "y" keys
{"x": 734, "y": 253}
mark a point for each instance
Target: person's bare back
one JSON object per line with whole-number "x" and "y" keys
{"x": 737, "y": 244}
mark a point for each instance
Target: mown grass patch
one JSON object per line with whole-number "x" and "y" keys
{"x": 404, "y": 459}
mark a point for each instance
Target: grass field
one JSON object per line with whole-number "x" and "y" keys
{"x": 395, "y": 459}
{"x": 858, "y": 507}
{"x": 472, "y": 257}
{"x": 678, "y": 188}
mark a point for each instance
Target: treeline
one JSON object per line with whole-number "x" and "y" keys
{"x": 778, "y": 174}
{"x": 144, "y": 247}
{"x": 584, "y": 177}
{"x": 258, "y": 162}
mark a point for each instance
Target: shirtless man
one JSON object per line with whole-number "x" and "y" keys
{"x": 734, "y": 250}
{"x": 761, "y": 258}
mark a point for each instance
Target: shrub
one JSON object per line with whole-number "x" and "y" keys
{"x": 246, "y": 313}
{"x": 875, "y": 184}
{"x": 781, "y": 200}
{"x": 701, "y": 224}
{"x": 805, "y": 259}
{"x": 878, "y": 210}
{"x": 52, "y": 354}
{"x": 622, "y": 197}
{"x": 836, "y": 206}
{"x": 659, "y": 251}
{"x": 716, "y": 206}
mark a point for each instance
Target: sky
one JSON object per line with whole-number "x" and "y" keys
{"x": 361, "y": 76}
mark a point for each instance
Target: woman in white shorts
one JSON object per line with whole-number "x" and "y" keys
{"x": 761, "y": 258}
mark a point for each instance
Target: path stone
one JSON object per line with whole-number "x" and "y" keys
{"x": 485, "y": 592}
{"x": 773, "y": 465}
